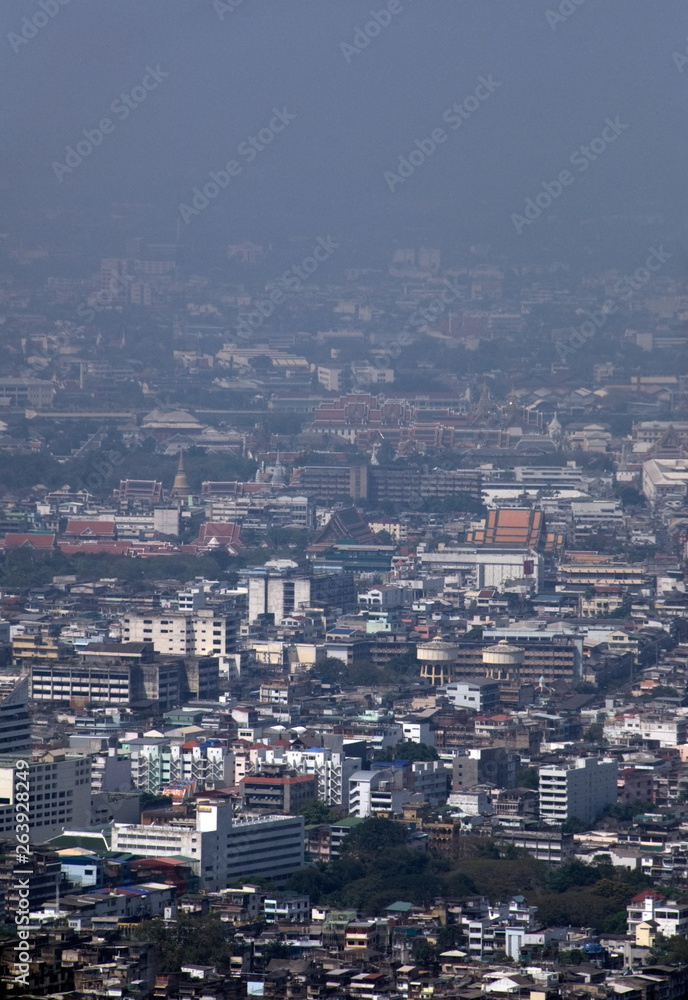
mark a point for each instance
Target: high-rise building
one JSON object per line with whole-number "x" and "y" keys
{"x": 59, "y": 789}
{"x": 201, "y": 633}
{"x": 281, "y": 594}
{"x": 15, "y": 729}
{"x": 579, "y": 789}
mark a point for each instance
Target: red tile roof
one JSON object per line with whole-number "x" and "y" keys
{"x": 19, "y": 540}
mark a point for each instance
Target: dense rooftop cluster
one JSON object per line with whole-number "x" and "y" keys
{"x": 343, "y": 649}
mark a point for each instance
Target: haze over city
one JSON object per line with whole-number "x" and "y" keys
{"x": 343, "y": 499}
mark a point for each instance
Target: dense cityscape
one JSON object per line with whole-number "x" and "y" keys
{"x": 343, "y": 500}
{"x": 344, "y": 626}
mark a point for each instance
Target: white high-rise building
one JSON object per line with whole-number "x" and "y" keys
{"x": 157, "y": 762}
{"x": 579, "y": 789}
{"x": 332, "y": 772}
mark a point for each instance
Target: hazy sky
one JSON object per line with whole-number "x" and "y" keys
{"x": 561, "y": 76}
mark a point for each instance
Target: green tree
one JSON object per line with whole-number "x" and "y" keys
{"x": 474, "y": 634}
{"x": 527, "y": 777}
{"x": 189, "y": 940}
{"x": 330, "y": 671}
{"x": 423, "y": 953}
{"x": 367, "y": 840}
{"x": 316, "y": 812}
{"x": 571, "y": 956}
{"x": 668, "y": 950}
{"x": 410, "y": 751}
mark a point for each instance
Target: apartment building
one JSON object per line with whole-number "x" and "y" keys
{"x": 277, "y": 793}
{"x": 332, "y": 771}
{"x": 125, "y": 674}
{"x": 287, "y": 907}
{"x": 668, "y": 730}
{"x": 157, "y": 762}
{"x": 271, "y": 592}
{"x": 15, "y": 726}
{"x": 374, "y": 792}
{"x": 669, "y": 915}
{"x": 477, "y": 693}
{"x": 81, "y": 684}
{"x": 59, "y": 793}
{"x": 579, "y": 789}
{"x": 203, "y": 633}
{"x": 484, "y": 765}
{"x": 224, "y": 849}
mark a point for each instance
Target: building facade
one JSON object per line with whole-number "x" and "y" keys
{"x": 577, "y": 790}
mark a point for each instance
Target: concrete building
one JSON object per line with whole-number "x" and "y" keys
{"x": 579, "y": 789}
{"x": 331, "y": 770}
{"x": 157, "y": 762}
{"x": 59, "y": 789}
{"x": 281, "y": 594}
{"x": 278, "y": 793}
{"x": 23, "y": 392}
{"x": 478, "y": 693}
{"x": 375, "y": 792}
{"x": 484, "y": 765}
{"x": 125, "y": 674}
{"x": 667, "y": 730}
{"x": 224, "y": 849}
{"x": 430, "y": 779}
{"x": 552, "y": 846}
{"x": 287, "y": 907}
{"x": 15, "y": 727}
{"x": 203, "y": 633}
{"x": 546, "y": 655}
{"x": 670, "y": 916}
{"x": 665, "y": 479}
{"x": 417, "y": 731}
